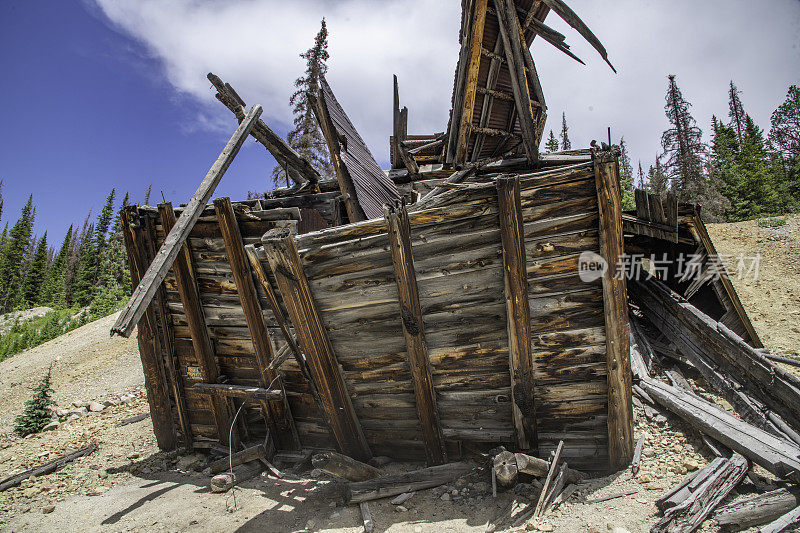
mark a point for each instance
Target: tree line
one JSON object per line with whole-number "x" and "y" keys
{"x": 88, "y": 269}
{"x": 740, "y": 175}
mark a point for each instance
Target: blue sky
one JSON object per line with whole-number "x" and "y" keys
{"x": 112, "y": 93}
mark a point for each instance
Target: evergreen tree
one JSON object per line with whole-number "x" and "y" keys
{"x": 104, "y": 220}
{"x": 53, "y": 288}
{"x": 640, "y": 177}
{"x": 38, "y": 410}
{"x": 736, "y": 112}
{"x": 657, "y": 180}
{"x": 306, "y": 137}
{"x": 85, "y": 287}
{"x": 757, "y": 191}
{"x": 73, "y": 260}
{"x": 565, "y": 144}
{"x": 35, "y": 276}
{"x": 18, "y": 242}
{"x": 1, "y": 199}
{"x": 626, "y": 177}
{"x": 784, "y": 137}
{"x": 683, "y": 147}
{"x": 552, "y": 143}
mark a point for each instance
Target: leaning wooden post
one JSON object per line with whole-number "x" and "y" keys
{"x": 284, "y": 261}
{"x": 518, "y": 313}
{"x": 615, "y": 304}
{"x": 278, "y": 411}
{"x": 221, "y": 408}
{"x": 414, "y": 333}
{"x": 150, "y": 281}
{"x": 154, "y": 378}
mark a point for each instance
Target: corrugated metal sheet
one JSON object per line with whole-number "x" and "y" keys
{"x": 373, "y": 188}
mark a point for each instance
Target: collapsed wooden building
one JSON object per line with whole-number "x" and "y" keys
{"x": 423, "y": 312}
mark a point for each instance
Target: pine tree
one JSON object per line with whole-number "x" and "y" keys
{"x": 757, "y": 187}
{"x": 73, "y": 260}
{"x": 736, "y": 112}
{"x": 104, "y": 220}
{"x": 53, "y": 288}
{"x": 640, "y": 177}
{"x": 85, "y": 287}
{"x": 784, "y": 137}
{"x": 657, "y": 180}
{"x": 552, "y": 143}
{"x": 32, "y": 285}
{"x": 306, "y": 137}
{"x": 565, "y": 144}
{"x": 626, "y": 177}
{"x": 38, "y": 410}
{"x": 722, "y": 166}
{"x": 18, "y": 242}
{"x": 1, "y": 199}
{"x": 683, "y": 147}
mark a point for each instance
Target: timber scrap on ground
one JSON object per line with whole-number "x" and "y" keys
{"x": 435, "y": 310}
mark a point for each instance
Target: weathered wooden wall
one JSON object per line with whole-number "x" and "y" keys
{"x": 458, "y": 262}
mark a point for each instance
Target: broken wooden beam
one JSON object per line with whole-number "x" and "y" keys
{"x": 399, "y": 230}
{"x": 238, "y": 391}
{"x": 549, "y": 480}
{"x": 51, "y": 466}
{"x": 782, "y": 523}
{"x": 157, "y": 271}
{"x": 386, "y": 486}
{"x": 471, "y": 81}
{"x": 518, "y": 313}
{"x": 690, "y": 513}
{"x": 779, "y": 456}
{"x": 757, "y": 509}
{"x": 571, "y": 18}
{"x": 285, "y": 263}
{"x": 297, "y": 167}
{"x": 344, "y": 467}
{"x": 227, "y": 480}
{"x": 637, "y": 456}
{"x": 253, "y": 453}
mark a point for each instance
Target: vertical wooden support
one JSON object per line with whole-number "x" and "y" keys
{"x": 518, "y": 313}
{"x": 277, "y": 411}
{"x": 471, "y": 82}
{"x": 164, "y": 323}
{"x": 152, "y": 364}
{"x": 414, "y": 333}
{"x": 510, "y": 31}
{"x": 291, "y": 279}
{"x": 396, "y": 161}
{"x": 618, "y": 361}
{"x": 221, "y": 408}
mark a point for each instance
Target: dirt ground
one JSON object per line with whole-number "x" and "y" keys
{"x": 128, "y": 485}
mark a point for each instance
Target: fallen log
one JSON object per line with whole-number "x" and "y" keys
{"x": 507, "y": 465}
{"x": 425, "y": 478}
{"x": 344, "y": 467}
{"x": 226, "y": 481}
{"x": 366, "y": 516}
{"x": 690, "y": 513}
{"x": 132, "y": 420}
{"x": 244, "y": 456}
{"x": 757, "y": 509}
{"x": 779, "y": 456}
{"x": 783, "y": 522}
{"x": 47, "y": 468}
{"x": 779, "y": 359}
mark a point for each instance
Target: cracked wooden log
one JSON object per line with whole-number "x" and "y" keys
{"x": 252, "y": 453}
{"x": 426, "y": 478}
{"x": 344, "y": 467}
{"x": 757, "y": 509}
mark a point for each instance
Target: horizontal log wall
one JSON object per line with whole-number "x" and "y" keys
{"x": 458, "y": 262}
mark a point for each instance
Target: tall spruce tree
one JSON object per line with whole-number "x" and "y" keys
{"x": 784, "y": 137}
{"x": 552, "y": 143}
{"x": 85, "y": 287}
{"x": 565, "y": 143}
{"x": 626, "y": 177}
{"x": 736, "y": 112}
{"x": 53, "y": 288}
{"x": 37, "y": 271}
{"x": 73, "y": 260}
{"x": 683, "y": 147}
{"x": 306, "y": 137}
{"x": 657, "y": 180}
{"x": 640, "y": 177}
{"x": 18, "y": 242}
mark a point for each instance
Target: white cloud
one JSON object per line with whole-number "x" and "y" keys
{"x": 255, "y": 44}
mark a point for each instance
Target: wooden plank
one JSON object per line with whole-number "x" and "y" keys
{"x": 518, "y": 314}
{"x": 278, "y": 411}
{"x": 50, "y": 466}
{"x": 238, "y": 391}
{"x": 296, "y": 165}
{"x": 157, "y": 270}
{"x": 252, "y": 453}
{"x": 221, "y": 409}
{"x": 615, "y": 305}
{"x": 285, "y": 264}
{"x": 414, "y": 333}
{"x": 548, "y": 480}
{"x": 471, "y": 82}
{"x": 757, "y": 509}
{"x": 782, "y": 523}
{"x": 152, "y": 363}
{"x": 488, "y": 97}
{"x": 386, "y": 486}
{"x": 510, "y": 31}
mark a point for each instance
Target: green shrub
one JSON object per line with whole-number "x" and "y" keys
{"x": 771, "y": 222}
{"x": 38, "y": 410}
